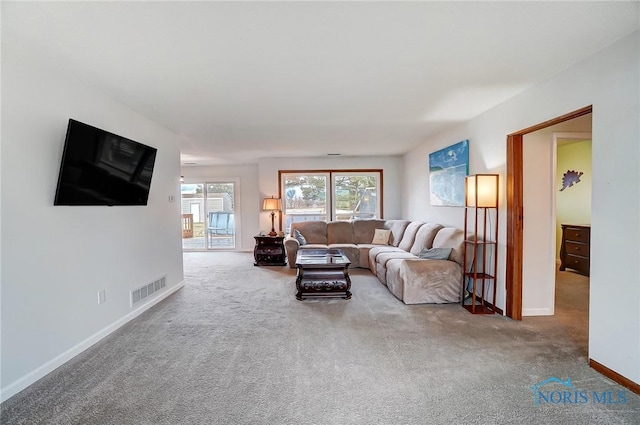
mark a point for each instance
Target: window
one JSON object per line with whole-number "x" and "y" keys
{"x": 355, "y": 195}
{"x": 305, "y": 197}
{"x": 330, "y": 195}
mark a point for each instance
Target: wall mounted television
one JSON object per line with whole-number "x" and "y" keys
{"x": 102, "y": 168}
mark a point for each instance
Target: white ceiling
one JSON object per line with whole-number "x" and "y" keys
{"x": 243, "y": 80}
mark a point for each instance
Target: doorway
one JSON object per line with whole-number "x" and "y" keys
{"x": 515, "y": 211}
{"x": 209, "y": 209}
{"x": 572, "y": 208}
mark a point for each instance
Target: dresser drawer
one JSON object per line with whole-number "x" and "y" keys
{"x": 577, "y": 234}
{"x": 576, "y": 248}
{"x": 577, "y": 263}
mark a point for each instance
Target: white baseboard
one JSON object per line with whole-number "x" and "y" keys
{"x": 537, "y": 312}
{"x": 22, "y": 383}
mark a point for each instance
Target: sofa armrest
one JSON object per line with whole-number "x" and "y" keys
{"x": 291, "y": 246}
{"x": 431, "y": 281}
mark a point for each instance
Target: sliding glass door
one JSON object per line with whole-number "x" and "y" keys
{"x": 208, "y": 215}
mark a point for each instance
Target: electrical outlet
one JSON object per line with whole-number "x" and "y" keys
{"x": 102, "y": 296}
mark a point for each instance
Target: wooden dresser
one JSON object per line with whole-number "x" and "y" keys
{"x": 575, "y": 248}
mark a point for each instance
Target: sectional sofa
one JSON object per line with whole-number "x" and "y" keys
{"x": 396, "y": 264}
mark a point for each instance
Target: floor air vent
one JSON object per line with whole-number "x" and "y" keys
{"x": 145, "y": 291}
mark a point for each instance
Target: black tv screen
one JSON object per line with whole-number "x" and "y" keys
{"x": 101, "y": 168}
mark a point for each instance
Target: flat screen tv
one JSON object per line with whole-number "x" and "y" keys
{"x": 101, "y": 168}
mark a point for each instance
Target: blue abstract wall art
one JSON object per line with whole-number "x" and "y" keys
{"x": 448, "y": 168}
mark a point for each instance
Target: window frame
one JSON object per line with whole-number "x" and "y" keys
{"x": 359, "y": 173}
{"x": 330, "y": 205}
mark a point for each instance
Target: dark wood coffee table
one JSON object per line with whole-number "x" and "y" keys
{"x": 322, "y": 273}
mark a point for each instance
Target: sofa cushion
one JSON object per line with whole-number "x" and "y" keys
{"x": 384, "y": 258}
{"x": 314, "y": 246}
{"x": 409, "y": 235}
{"x": 375, "y": 251}
{"x": 315, "y": 232}
{"x": 451, "y": 237}
{"x": 397, "y": 228}
{"x": 350, "y": 250}
{"x": 393, "y": 279}
{"x": 424, "y": 237}
{"x": 363, "y": 259}
{"x": 381, "y": 273}
{"x": 340, "y": 232}
{"x": 363, "y": 230}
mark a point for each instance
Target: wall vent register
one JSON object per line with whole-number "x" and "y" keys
{"x": 145, "y": 291}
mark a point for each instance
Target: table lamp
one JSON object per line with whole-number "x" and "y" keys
{"x": 272, "y": 204}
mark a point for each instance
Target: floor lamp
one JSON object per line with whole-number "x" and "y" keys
{"x": 481, "y": 197}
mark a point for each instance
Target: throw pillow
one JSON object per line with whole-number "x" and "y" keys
{"x": 381, "y": 237}
{"x": 301, "y": 239}
{"x": 435, "y": 253}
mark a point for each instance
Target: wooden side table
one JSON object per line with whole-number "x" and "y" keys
{"x": 269, "y": 251}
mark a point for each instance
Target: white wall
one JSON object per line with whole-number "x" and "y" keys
{"x": 391, "y": 167}
{"x": 56, "y": 259}
{"x": 247, "y": 207}
{"x": 610, "y": 81}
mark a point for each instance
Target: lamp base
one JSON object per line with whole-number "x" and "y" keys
{"x": 273, "y": 229}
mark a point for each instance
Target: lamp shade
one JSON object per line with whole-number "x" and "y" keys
{"x": 271, "y": 204}
{"x": 481, "y": 190}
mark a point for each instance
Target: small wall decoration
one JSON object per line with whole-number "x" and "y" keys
{"x": 570, "y": 178}
{"x": 447, "y": 169}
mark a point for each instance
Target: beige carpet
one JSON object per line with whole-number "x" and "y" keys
{"x": 235, "y": 347}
